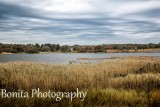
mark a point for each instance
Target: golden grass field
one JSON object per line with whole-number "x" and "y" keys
{"x": 123, "y": 82}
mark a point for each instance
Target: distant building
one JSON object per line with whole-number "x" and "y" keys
{"x": 70, "y": 50}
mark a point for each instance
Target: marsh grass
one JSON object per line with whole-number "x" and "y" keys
{"x": 121, "y": 82}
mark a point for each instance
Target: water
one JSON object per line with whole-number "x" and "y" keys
{"x": 63, "y": 58}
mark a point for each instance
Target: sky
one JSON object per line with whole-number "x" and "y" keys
{"x": 83, "y": 22}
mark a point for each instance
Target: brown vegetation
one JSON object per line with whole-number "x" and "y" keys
{"x": 128, "y": 81}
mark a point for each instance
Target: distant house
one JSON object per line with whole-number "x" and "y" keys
{"x": 70, "y": 49}
{"x": 110, "y": 47}
{"x": 132, "y": 47}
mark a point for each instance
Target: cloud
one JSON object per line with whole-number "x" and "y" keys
{"x": 79, "y": 21}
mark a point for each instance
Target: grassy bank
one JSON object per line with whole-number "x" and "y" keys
{"x": 134, "y": 51}
{"x": 130, "y": 81}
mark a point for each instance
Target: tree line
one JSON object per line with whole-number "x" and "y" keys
{"x": 36, "y": 48}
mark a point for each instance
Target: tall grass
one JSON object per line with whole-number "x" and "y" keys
{"x": 120, "y": 82}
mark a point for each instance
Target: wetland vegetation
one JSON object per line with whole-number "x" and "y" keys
{"x": 125, "y": 82}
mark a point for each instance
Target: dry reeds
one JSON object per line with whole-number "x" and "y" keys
{"x": 120, "y": 82}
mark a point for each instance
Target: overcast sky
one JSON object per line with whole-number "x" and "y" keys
{"x": 80, "y": 21}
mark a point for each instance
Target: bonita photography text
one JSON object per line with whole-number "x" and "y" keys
{"x": 58, "y": 96}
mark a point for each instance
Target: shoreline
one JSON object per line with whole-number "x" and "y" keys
{"x": 5, "y": 53}
{"x": 155, "y": 50}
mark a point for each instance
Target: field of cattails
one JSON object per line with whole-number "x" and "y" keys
{"x": 122, "y": 82}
